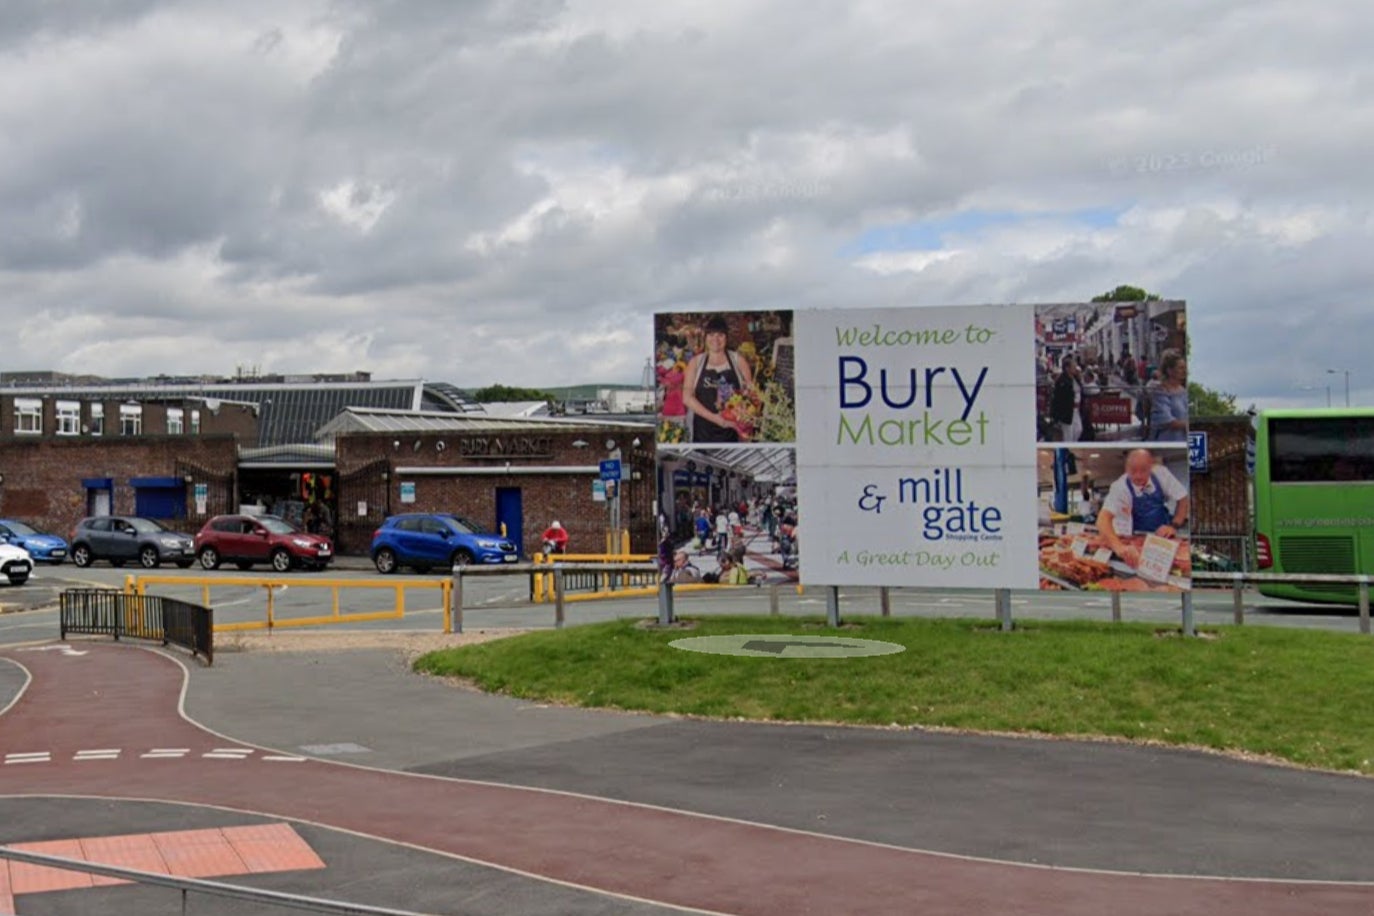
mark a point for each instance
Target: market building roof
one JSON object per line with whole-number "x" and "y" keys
{"x": 380, "y": 420}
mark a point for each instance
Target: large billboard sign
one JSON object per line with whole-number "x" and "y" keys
{"x": 916, "y": 446}
{"x": 1000, "y": 446}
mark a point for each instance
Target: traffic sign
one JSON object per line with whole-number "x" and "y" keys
{"x": 610, "y": 469}
{"x": 1197, "y": 452}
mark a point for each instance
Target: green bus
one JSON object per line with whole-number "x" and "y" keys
{"x": 1314, "y": 498}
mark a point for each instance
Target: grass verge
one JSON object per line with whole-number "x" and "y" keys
{"x": 1303, "y": 696}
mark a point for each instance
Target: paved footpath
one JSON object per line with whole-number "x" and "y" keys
{"x": 127, "y": 699}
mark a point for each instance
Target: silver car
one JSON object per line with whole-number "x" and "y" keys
{"x": 130, "y": 539}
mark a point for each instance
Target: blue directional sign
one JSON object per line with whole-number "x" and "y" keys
{"x": 610, "y": 469}
{"x": 1197, "y": 452}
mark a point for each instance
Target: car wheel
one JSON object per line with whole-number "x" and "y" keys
{"x": 209, "y": 558}
{"x": 462, "y": 557}
{"x": 281, "y": 560}
{"x": 244, "y": 565}
{"x": 385, "y": 561}
{"x": 18, "y": 580}
{"x": 81, "y": 555}
{"x": 148, "y": 558}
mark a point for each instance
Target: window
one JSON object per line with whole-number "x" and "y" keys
{"x": 68, "y": 418}
{"x": 130, "y": 419}
{"x": 176, "y": 425}
{"x": 1321, "y": 449}
{"x": 97, "y": 419}
{"x": 195, "y": 422}
{"x": 28, "y": 415}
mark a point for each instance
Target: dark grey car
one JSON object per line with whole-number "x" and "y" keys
{"x": 130, "y": 539}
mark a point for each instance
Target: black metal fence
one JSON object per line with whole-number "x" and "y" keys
{"x": 105, "y": 612}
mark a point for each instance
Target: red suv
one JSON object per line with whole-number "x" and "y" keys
{"x": 247, "y": 539}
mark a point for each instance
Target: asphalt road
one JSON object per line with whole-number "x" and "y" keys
{"x": 494, "y": 602}
{"x": 627, "y": 816}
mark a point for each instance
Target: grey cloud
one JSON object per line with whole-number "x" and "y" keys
{"x": 187, "y": 202}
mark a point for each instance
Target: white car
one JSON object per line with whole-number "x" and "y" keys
{"x": 15, "y": 564}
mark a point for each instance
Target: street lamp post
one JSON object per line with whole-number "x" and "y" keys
{"x": 1346, "y": 372}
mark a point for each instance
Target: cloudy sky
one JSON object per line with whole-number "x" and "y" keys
{"x": 475, "y": 191}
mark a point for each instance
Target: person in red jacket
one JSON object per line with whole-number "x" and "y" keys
{"x": 555, "y": 539}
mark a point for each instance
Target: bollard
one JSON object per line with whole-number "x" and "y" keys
{"x": 1188, "y": 628}
{"x": 1003, "y": 600}
{"x": 885, "y": 600}
{"x": 1116, "y": 607}
{"x": 558, "y": 596}
{"x": 455, "y": 623}
{"x": 1364, "y": 605}
{"x": 665, "y": 604}
{"x": 832, "y": 605}
{"x": 773, "y": 592}
{"x": 1238, "y": 597}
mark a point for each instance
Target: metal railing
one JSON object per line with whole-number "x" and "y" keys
{"x": 105, "y": 612}
{"x": 138, "y": 585}
{"x": 1238, "y": 581}
{"x": 588, "y": 576}
{"x": 201, "y": 886}
{"x": 559, "y": 575}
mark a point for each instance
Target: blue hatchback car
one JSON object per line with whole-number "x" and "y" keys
{"x": 424, "y": 541}
{"x": 44, "y": 548}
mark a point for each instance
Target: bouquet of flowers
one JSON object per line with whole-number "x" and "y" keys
{"x": 742, "y": 408}
{"x": 669, "y": 433}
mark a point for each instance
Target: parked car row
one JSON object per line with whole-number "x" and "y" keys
{"x": 244, "y": 540}
{"x": 419, "y": 541}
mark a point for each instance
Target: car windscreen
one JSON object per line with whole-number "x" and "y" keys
{"x": 21, "y": 528}
{"x": 276, "y": 525}
{"x": 465, "y": 525}
{"x": 147, "y": 525}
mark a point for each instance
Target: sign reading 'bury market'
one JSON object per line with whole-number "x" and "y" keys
{"x": 916, "y": 446}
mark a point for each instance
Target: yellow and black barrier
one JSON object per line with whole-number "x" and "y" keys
{"x": 138, "y": 585}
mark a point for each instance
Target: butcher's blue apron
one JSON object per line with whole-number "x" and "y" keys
{"x": 1148, "y": 510}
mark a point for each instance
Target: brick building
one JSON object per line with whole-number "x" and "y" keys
{"x": 53, "y": 483}
{"x": 520, "y": 472}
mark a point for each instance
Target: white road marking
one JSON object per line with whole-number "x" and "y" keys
{"x": 96, "y": 755}
{"x": 64, "y": 649}
{"x": 225, "y": 755}
{"x": 282, "y": 758}
{"x": 165, "y": 753}
{"x": 36, "y": 757}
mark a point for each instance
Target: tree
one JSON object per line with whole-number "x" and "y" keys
{"x": 1127, "y": 294}
{"x": 499, "y": 393}
{"x": 1205, "y": 402}
{"x": 1202, "y": 401}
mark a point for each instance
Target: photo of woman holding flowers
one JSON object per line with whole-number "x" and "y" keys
{"x": 724, "y": 378}
{"x": 717, "y": 389}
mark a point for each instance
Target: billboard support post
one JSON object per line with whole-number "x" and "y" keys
{"x": 885, "y": 600}
{"x": 1003, "y": 598}
{"x": 1116, "y": 607}
{"x": 1188, "y": 628}
{"x": 665, "y": 604}
{"x": 832, "y": 605}
{"x": 1364, "y": 605}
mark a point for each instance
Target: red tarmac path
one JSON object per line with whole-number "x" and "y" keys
{"x": 124, "y": 697}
